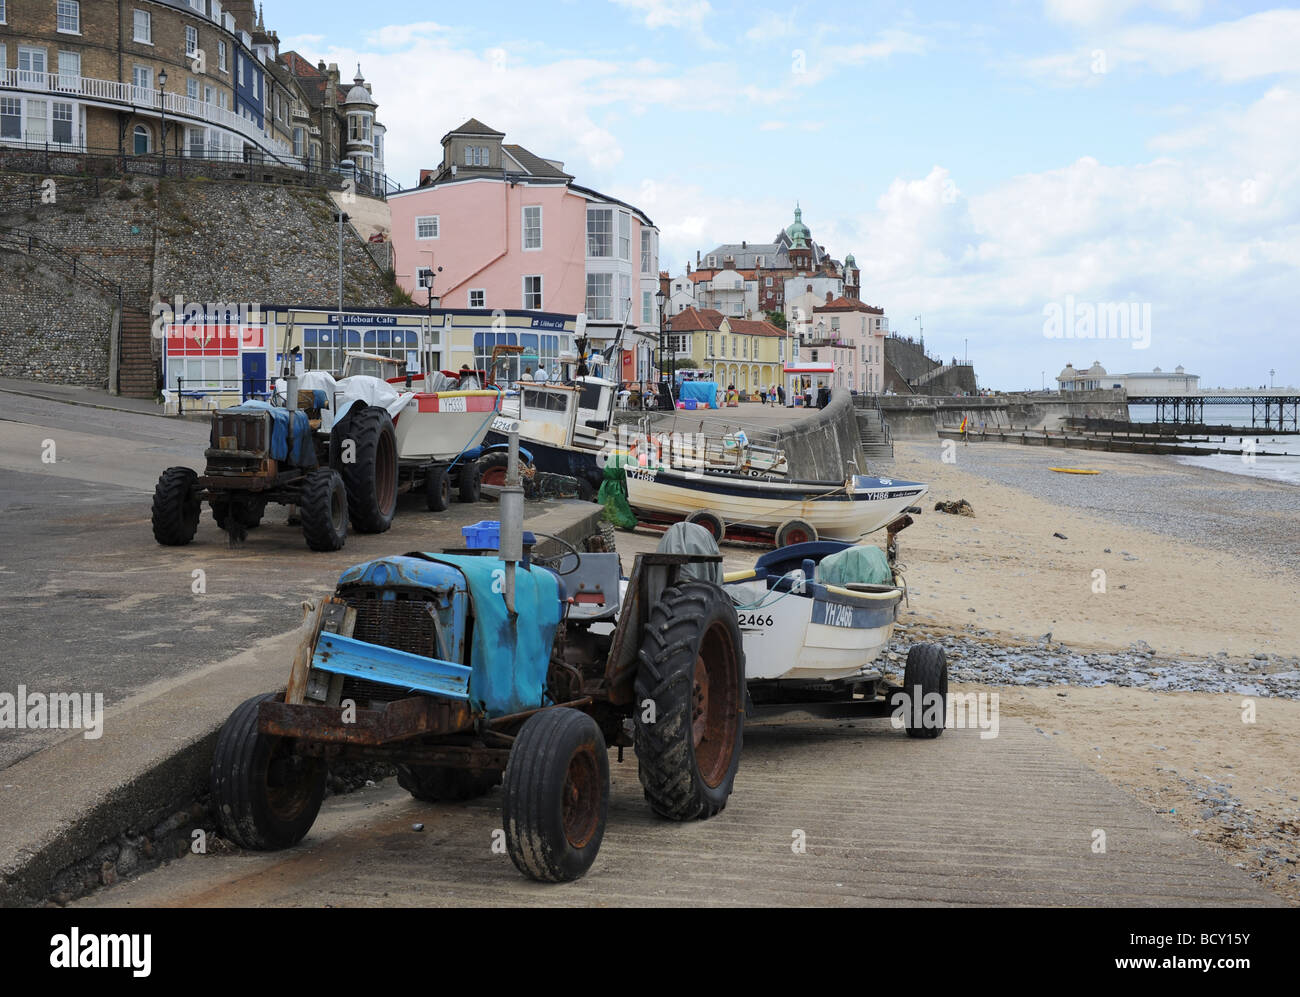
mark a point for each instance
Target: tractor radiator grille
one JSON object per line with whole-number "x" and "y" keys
{"x": 403, "y": 624}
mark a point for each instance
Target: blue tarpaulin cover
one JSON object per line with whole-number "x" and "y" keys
{"x": 700, "y": 391}
{"x": 296, "y": 446}
{"x": 509, "y": 657}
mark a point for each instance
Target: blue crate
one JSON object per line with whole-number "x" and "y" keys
{"x": 486, "y": 535}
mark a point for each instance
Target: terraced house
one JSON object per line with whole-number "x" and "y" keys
{"x": 747, "y": 353}
{"x": 112, "y": 76}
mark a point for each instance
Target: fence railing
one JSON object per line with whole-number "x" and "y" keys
{"x": 201, "y": 387}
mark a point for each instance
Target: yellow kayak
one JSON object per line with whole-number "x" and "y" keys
{"x": 1072, "y": 470}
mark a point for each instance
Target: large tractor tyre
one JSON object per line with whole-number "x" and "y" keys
{"x": 556, "y": 795}
{"x": 471, "y": 478}
{"x": 689, "y": 710}
{"x": 176, "y": 507}
{"x": 711, "y": 521}
{"x": 265, "y": 796}
{"x": 493, "y": 466}
{"x": 432, "y": 783}
{"x": 323, "y": 509}
{"x": 925, "y": 677}
{"x": 795, "y": 531}
{"x": 371, "y": 476}
{"x": 437, "y": 489}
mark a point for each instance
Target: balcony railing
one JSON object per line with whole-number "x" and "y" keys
{"x": 145, "y": 98}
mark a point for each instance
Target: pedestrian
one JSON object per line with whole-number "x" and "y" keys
{"x": 540, "y": 375}
{"x": 528, "y": 374}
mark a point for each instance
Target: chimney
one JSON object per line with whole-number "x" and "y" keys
{"x": 688, "y": 266}
{"x": 743, "y": 244}
{"x": 828, "y": 297}
{"x": 697, "y": 259}
{"x": 729, "y": 263}
{"x": 426, "y": 176}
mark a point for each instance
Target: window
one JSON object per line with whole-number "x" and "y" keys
{"x": 67, "y": 16}
{"x": 478, "y": 298}
{"x": 298, "y": 146}
{"x": 624, "y": 296}
{"x": 70, "y": 71}
{"x": 476, "y": 155}
{"x": 192, "y": 88}
{"x": 624, "y": 236}
{"x": 767, "y": 281}
{"x": 733, "y": 347}
{"x": 600, "y": 233}
{"x": 143, "y": 26}
{"x": 532, "y": 226}
{"x": 709, "y": 339}
{"x": 142, "y": 140}
{"x": 191, "y": 39}
{"x": 62, "y": 132}
{"x": 221, "y": 56}
{"x": 359, "y": 127}
{"x": 11, "y": 117}
{"x": 647, "y": 308}
{"x": 423, "y": 276}
{"x": 207, "y": 95}
{"x": 647, "y": 251}
{"x": 142, "y": 80}
{"x": 31, "y": 65}
{"x": 2, "y": 11}
{"x": 533, "y": 291}
{"x": 239, "y": 65}
{"x": 835, "y": 323}
{"x": 508, "y": 365}
{"x": 426, "y": 227}
{"x": 600, "y": 292}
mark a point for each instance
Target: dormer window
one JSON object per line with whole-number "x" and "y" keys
{"x": 477, "y": 155}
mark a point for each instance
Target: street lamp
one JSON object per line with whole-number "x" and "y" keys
{"x": 162, "y": 106}
{"x": 662, "y": 300}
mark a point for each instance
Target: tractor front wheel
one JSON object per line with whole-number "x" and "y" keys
{"x": 265, "y": 796}
{"x": 323, "y": 508}
{"x": 556, "y": 795}
{"x": 689, "y": 713}
{"x": 176, "y": 507}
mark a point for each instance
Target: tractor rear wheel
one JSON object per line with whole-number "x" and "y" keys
{"x": 371, "y": 476}
{"x": 436, "y": 782}
{"x": 265, "y": 796}
{"x": 323, "y": 508}
{"x": 176, "y": 507}
{"x": 556, "y": 795}
{"x": 925, "y": 680}
{"x": 689, "y": 713}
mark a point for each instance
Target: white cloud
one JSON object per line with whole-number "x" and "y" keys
{"x": 1254, "y": 47}
{"x": 817, "y": 63}
{"x": 771, "y": 126}
{"x": 1089, "y": 12}
{"x": 670, "y": 13}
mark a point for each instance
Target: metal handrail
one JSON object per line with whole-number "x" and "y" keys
{"x": 26, "y": 242}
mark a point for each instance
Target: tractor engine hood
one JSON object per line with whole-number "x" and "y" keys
{"x": 509, "y": 654}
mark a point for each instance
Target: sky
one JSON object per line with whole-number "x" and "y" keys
{"x": 1000, "y": 171}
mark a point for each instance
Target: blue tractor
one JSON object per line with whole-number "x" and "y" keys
{"x": 472, "y": 668}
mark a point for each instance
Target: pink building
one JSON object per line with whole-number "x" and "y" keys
{"x": 851, "y": 335}
{"x": 498, "y": 227}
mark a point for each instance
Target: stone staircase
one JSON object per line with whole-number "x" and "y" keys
{"x": 873, "y": 432}
{"x": 932, "y": 375}
{"x": 137, "y": 372}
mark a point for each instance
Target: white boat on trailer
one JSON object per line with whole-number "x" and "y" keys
{"x": 792, "y": 510}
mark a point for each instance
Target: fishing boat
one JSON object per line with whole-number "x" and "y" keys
{"x": 796, "y": 626}
{"x": 563, "y": 426}
{"x": 790, "y": 510}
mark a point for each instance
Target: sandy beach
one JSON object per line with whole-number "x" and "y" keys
{"x": 1201, "y": 573}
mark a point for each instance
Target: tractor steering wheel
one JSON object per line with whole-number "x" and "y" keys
{"x": 553, "y": 561}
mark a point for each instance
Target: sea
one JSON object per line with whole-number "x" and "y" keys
{"x": 1286, "y": 469}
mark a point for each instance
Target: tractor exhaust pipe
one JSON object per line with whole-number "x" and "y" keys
{"x": 512, "y": 519}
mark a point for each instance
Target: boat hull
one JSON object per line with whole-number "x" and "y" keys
{"x": 825, "y": 633}
{"x": 839, "y": 512}
{"x": 440, "y": 425}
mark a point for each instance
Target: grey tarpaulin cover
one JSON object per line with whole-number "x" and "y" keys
{"x": 690, "y": 538}
{"x": 865, "y": 565}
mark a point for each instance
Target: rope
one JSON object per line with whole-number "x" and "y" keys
{"x": 477, "y": 433}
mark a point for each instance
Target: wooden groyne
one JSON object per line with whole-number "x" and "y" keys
{"x": 1110, "y": 443}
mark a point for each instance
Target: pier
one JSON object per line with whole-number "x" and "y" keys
{"x": 1270, "y": 408}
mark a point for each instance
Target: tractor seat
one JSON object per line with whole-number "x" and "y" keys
{"x": 593, "y": 588}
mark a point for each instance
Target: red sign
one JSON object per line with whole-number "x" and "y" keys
{"x": 629, "y": 365}
{"x": 213, "y": 340}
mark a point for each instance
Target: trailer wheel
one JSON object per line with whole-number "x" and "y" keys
{"x": 437, "y": 782}
{"x": 689, "y": 712}
{"x": 556, "y": 795}
{"x": 176, "y": 507}
{"x": 265, "y": 797}
{"x": 471, "y": 477}
{"x": 795, "y": 531}
{"x": 371, "y": 478}
{"x": 710, "y": 521}
{"x": 323, "y": 508}
{"x": 437, "y": 489}
{"x": 924, "y": 677}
